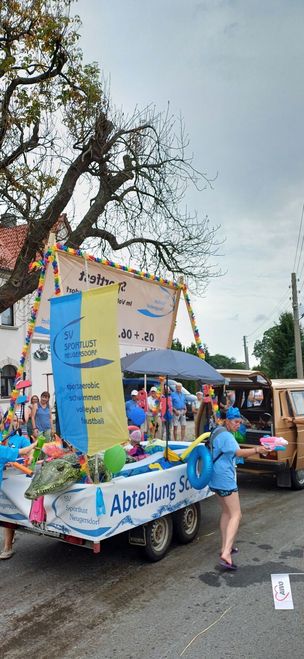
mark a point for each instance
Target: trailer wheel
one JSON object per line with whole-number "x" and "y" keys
{"x": 186, "y": 523}
{"x": 158, "y": 537}
{"x": 297, "y": 478}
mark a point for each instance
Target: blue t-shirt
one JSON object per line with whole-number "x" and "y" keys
{"x": 42, "y": 418}
{"x": 7, "y": 454}
{"x": 178, "y": 400}
{"x": 223, "y": 475}
{"x": 18, "y": 441}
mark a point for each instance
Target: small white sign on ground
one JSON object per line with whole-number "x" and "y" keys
{"x": 281, "y": 591}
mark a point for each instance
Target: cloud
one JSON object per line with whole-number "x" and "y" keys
{"x": 235, "y": 72}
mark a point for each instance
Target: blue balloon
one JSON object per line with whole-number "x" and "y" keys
{"x": 21, "y": 399}
{"x": 137, "y": 415}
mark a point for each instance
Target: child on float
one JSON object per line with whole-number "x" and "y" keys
{"x": 136, "y": 450}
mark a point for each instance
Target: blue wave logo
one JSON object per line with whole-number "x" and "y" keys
{"x": 39, "y": 329}
{"x": 65, "y": 527}
{"x": 67, "y": 349}
{"x": 163, "y": 305}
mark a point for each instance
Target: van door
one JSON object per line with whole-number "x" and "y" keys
{"x": 296, "y": 399}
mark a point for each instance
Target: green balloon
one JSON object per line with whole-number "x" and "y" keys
{"x": 114, "y": 458}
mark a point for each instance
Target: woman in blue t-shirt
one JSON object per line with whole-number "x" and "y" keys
{"x": 223, "y": 481}
{"x": 41, "y": 416}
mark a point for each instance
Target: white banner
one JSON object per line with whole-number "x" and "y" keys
{"x": 94, "y": 512}
{"x": 281, "y": 591}
{"x": 146, "y": 308}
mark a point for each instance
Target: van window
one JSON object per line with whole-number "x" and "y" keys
{"x": 254, "y": 399}
{"x": 297, "y": 398}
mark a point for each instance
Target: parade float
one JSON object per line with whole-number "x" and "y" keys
{"x": 85, "y": 487}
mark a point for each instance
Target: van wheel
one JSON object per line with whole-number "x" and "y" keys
{"x": 186, "y": 523}
{"x": 158, "y": 537}
{"x": 297, "y": 479}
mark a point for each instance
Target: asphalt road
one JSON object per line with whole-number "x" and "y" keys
{"x": 61, "y": 601}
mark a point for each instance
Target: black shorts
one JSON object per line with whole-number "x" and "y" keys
{"x": 223, "y": 493}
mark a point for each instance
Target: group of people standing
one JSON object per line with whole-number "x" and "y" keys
{"x": 28, "y": 423}
{"x": 167, "y": 409}
{"x": 31, "y": 420}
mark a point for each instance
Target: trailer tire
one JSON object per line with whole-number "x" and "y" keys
{"x": 297, "y": 478}
{"x": 186, "y": 522}
{"x": 158, "y": 537}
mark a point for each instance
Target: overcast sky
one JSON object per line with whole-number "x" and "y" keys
{"x": 234, "y": 70}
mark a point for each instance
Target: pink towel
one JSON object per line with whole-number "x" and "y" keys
{"x": 37, "y": 513}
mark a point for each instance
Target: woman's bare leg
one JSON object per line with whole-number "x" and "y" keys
{"x": 8, "y": 539}
{"x": 224, "y": 519}
{"x": 229, "y": 522}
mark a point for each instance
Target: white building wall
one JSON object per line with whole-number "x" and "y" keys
{"x": 12, "y": 340}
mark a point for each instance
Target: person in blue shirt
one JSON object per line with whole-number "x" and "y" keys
{"x": 223, "y": 481}
{"x": 11, "y": 454}
{"x": 179, "y": 411}
{"x": 41, "y": 417}
{"x": 135, "y": 414}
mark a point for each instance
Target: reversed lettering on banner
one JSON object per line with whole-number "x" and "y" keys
{"x": 281, "y": 591}
{"x": 146, "y": 309}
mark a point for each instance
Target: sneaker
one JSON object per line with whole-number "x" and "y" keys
{"x": 6, "y": 554}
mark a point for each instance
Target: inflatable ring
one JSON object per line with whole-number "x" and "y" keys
{"x": 199, "y": 467}
{"x": 195, "y": 443}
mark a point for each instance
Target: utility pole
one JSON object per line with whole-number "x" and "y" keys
{"x": 246, "y": 352}
{"x": 296, "y": 325}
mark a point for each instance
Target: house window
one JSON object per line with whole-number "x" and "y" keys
{"x": 7, "y": 377}
{"x": 7, "y": 317}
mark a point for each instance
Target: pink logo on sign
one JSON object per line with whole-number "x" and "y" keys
{"x": 279, "y": 590}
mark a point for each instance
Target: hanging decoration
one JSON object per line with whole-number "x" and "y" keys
{"x": 25, "y": 349}
{"x": 200, "y": 349}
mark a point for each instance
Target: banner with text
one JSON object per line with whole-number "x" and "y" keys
{"x": 86, "y": 369}
{"x": 146, "y": 309}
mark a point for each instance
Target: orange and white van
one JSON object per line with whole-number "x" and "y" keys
{"x": 269, "y": 407}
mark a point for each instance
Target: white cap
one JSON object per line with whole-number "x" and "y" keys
{"x": 153, "y": 389}
{"x": 199, "y": 392}
{"x": 134, "y": 392}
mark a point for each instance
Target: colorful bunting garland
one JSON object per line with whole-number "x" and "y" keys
{"x": 25, "y": 349}
{"x": 200, "y": 350}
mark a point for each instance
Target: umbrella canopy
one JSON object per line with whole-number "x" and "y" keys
{"x": 174, "y": 364}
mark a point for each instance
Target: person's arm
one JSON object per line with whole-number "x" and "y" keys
{"x": 27, "y": 414}
{"x": 27, "y": 449}
{"x": 249, "y": 452}
{"x": 51, "y": 423}
{"x": 33, "y": 417}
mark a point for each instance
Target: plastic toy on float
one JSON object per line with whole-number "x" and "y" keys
{"x": 274, "y": 443}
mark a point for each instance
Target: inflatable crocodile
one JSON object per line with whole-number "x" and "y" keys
{"x": 56, "y": 475}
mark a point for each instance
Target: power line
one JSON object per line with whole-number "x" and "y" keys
{"x": 298, "y": 241}
{"x": 279, "y": 304}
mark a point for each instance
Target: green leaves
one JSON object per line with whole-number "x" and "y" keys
{"x": 276, "y": 350}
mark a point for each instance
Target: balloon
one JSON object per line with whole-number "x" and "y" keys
{"x": 22, "y": 399}
{"x": 114, "y": 458}
{"x": 137, "y": 415}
